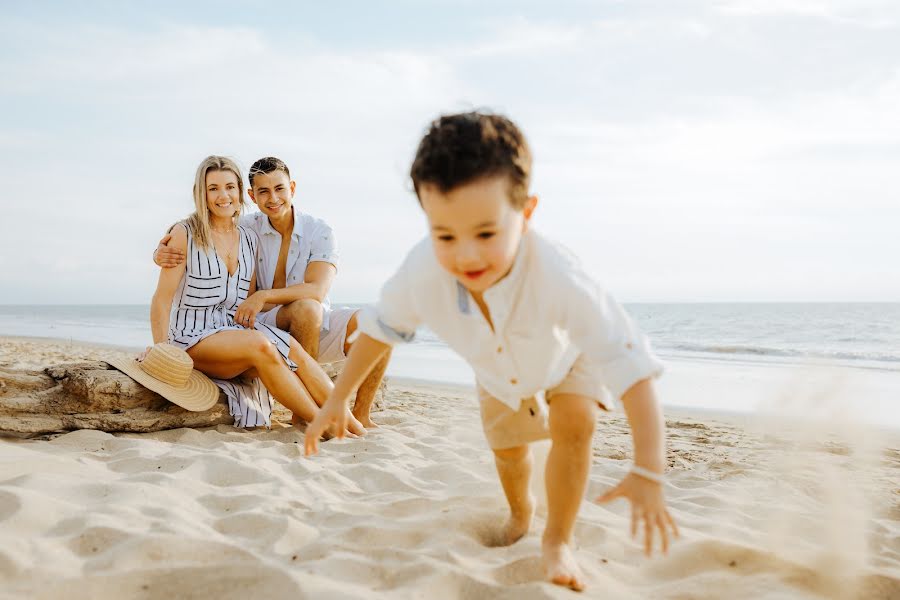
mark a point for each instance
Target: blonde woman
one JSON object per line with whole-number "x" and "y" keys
{"x": 194, "y": 308}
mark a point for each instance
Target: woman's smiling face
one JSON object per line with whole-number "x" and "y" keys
{"x": 223, "y": 196}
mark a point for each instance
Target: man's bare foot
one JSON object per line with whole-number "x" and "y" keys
{"x": 366, "y": 420}
{"x": 560, "y": 566}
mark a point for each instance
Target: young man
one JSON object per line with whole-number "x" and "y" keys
{"x": 296, "y": 266}
{"x": 543, "y": 339}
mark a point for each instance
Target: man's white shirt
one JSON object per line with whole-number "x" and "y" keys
{"x": 312, "y": 240}
{"x": 546, "y": 313}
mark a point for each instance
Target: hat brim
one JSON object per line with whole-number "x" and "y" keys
{"x": 198, "y": 395}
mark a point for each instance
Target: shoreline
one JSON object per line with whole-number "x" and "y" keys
{"x": 693, "y": 388}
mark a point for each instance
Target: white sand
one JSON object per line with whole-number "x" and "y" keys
{"x": 765, "y": 511}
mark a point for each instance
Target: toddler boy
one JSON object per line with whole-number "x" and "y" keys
{"x": 543, "y": 338}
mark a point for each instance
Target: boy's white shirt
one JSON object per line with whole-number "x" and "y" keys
{"x": 546, "y": 312}
{"x": 312, "y": 240}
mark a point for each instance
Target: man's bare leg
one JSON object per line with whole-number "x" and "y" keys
{"x": 303, "y": 320}
{"x": 572, "y": 420}
{"x": 514, "y": 469}
{"x": 365, "y": 395}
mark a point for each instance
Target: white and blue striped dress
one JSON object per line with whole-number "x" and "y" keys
{"x": 207, "y": 300}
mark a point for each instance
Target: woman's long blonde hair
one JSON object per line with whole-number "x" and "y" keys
{"x": 198, "y": 221}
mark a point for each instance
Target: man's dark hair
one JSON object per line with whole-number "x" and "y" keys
{"x": 462, "y": 148}
{"x": 265, "y": 166}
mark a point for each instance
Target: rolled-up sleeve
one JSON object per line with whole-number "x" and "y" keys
{"x": 609, "y": 338}
{"x": 394, "y": 318}
{"x": 324, "y": 246}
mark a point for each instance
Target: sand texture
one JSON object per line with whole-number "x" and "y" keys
{"x": 766, "y": 511}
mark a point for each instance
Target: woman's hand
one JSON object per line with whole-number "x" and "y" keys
{"x": 647, "y": 505}
{"x": 248, "y": 309}
{"x": 143, "y": 354}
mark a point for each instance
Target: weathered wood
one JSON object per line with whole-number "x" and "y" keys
{"x": 90, "y": 395}
{"x": 93, "y": 395}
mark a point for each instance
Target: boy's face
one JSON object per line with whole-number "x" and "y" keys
{"x": 475, "y": 229}
{"x": 272, "y": 193}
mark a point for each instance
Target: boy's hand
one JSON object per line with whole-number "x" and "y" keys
{"x": 333, "y": 416}
{"x": 647, "y": 504}
{"x": 248, "y": 309}
{"x": 166, "y": 257}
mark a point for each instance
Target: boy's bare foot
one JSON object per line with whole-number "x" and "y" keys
{"x": 560, "y": 566}
{"x": 516, "y": 526}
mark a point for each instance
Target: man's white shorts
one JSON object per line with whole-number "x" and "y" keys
{"x": 331, "y": 340}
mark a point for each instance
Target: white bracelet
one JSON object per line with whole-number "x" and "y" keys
{"x": 647, "y": 474}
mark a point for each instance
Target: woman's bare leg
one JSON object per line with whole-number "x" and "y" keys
{"x": 310, "y": 373}
{"x": 227, "y": 354}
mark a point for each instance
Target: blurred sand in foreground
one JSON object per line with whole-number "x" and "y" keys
{"x": 768, "y": 508}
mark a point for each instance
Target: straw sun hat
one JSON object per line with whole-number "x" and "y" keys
{"x": 169, "y": 372}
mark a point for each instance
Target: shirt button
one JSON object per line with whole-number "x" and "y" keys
{"x": 514, "y": 381}
{"x": 628, "y": 345}
{"x": 499, "y": 349}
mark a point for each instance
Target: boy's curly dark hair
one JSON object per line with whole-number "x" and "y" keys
{"x": 465, "y": 147}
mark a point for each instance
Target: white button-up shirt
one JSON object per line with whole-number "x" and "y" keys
{"x": 546, "y": 313}
{"x": 312, "y": 240}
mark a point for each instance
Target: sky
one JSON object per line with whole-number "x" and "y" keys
{"x": 687, "y": 151}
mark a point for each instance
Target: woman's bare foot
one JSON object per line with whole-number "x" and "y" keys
{"x": 560, "y": 566}
{"x": 354, "y": 427}
{"x": 365, "y": 419}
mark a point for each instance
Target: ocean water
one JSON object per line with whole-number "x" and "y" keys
{"x": 862, "y": 335}
{"x": 694, "y": 340}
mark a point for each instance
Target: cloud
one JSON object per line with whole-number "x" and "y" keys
{"x": 873, "y": 14}
{"x": 678, "y": 151}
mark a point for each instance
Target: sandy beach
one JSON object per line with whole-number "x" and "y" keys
{"x": 769, "y": 507}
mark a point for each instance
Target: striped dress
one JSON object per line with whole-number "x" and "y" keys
{"x": 206, "y": 302}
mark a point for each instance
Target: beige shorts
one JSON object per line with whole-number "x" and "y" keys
{"x": 331, "y": 340}
{"x": 506, "y": 428}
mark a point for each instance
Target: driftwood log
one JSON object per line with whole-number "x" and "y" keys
{"x": 93, "y": 395}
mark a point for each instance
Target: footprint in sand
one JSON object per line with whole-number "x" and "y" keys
{"x": 224, "y": 471}
{"x": 96, "y": 540}
{"x": 270, "y": 533}
{"x": 9, "y": 505}
{"x": 223, "y": 506}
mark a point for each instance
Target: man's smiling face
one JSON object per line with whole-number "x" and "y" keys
{"x": 273, "y": 193}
